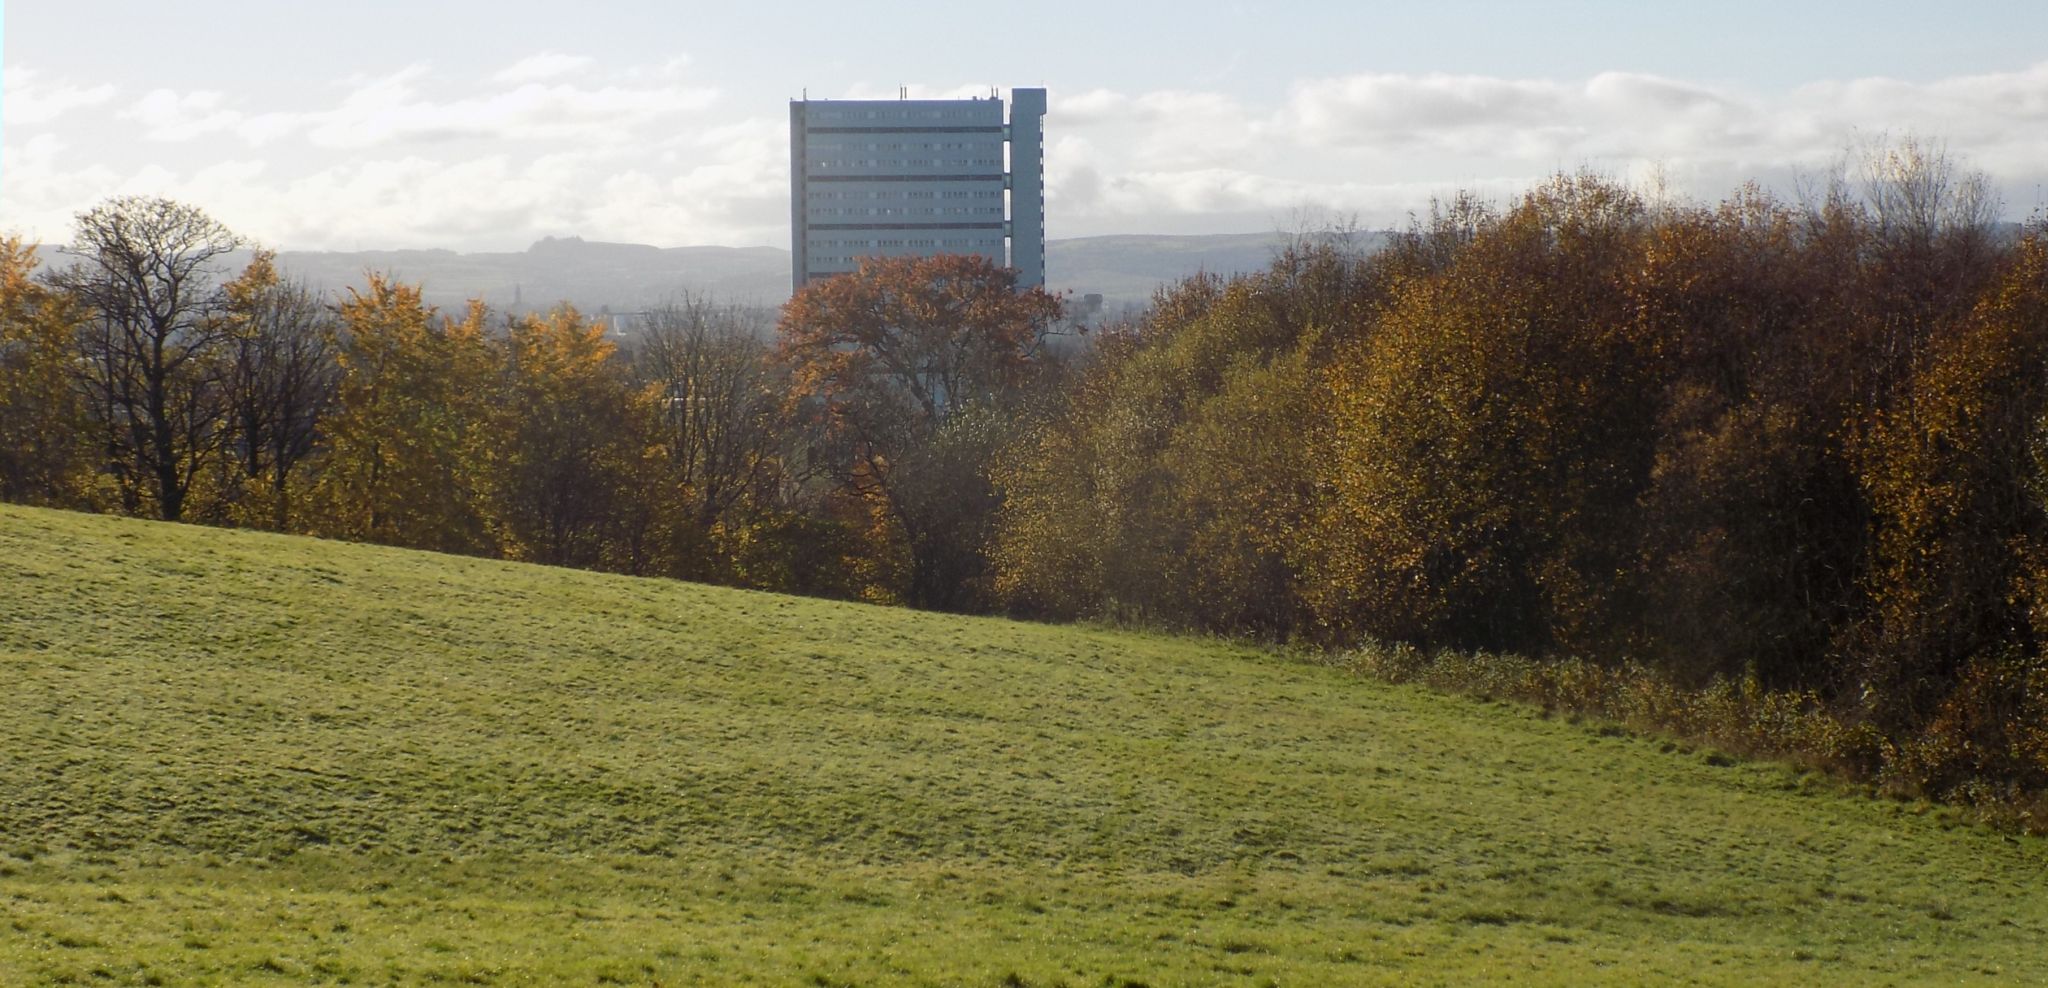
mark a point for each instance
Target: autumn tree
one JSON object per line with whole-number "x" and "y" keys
{"x": 905, "y": 366}
{"x": 1059, "y": 528}
{"x": 1754, "y": 526}
{"x": 717, "y": 395}
{"x": 151, "y": 349}
{"x": 411, "y": 431}
{"x": 40, "y": 420}
{"x": 1919, "y": 225}
{"x": 1489, "y": 443}
{"x": 281, "y": 379}
{"x": 1954, "y": 474}
{"x": 571, "y": 427}
{"x": 1169, "y": 484}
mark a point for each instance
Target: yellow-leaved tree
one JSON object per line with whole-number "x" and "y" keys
{"x": 1489, "y": 442}
{"x": 409, "y": 440}
{"x": 42, "y": 459}
{"x": 1955, "y": 475}
{"x": 575, "y": 463}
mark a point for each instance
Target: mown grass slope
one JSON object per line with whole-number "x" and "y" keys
{"x": 240, "y": 758}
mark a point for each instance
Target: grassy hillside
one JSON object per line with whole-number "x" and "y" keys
{"x": 239, "y": 758}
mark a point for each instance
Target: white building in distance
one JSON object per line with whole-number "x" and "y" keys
{"x": 886, "y": 178}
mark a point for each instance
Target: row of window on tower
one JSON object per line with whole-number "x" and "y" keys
{"x": 828, "y": 164}
{"x": 817, "y": 114}
{"x": 823, "y": 195}
{"x": 873, "y": 244}
{"x": 834, "y": 147}
{"x": 906, "y": 211}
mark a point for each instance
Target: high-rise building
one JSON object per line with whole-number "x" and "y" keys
{"x": 894, "y": 177}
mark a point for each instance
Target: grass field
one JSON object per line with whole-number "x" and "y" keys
{"x": 239, "y": 758}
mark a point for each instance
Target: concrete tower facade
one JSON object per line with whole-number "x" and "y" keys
{"x": 886, "y": 178}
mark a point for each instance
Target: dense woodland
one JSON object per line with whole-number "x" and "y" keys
{"x": 1791, "y": 455}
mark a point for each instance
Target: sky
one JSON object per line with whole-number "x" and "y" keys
{"x": 488, "y": 124}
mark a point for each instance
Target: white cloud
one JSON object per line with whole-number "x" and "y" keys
{"x": 390, "y": 109}
{"x": 170, "y": 116}
{"x": 47, "y": 187}
{"x": 1409, "y": 109}
{"x": 559, "y": 144}
{"x": 1090, "y": 107}
{"x": 394, "y": 109}
{"x": 1619, "y": 115}
{"x": 1380, "y": 145}
{"x": 27, "y": 101}
{"x": 1614, "y": 113}
{"x": 542, "y": 67}
{"x": 869, "y": 90}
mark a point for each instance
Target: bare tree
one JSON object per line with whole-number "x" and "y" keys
{"x": 1921, "y": 226}
{"x": 1917, "y": 191}
{"x": 719, "y": 396}
{"x": 281, "y": 378}
{"x": 1905, "y": 189}
{"x": 150, "y": 349}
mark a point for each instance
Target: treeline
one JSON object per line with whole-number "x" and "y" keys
{"x": 142, "y": 379}
{"x": 1789, "y": 460}
{"x": 1798, "y": 450}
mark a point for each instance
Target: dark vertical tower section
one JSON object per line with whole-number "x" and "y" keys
{"x": 1027, "y": 185}
{"x": 798, "y": 194}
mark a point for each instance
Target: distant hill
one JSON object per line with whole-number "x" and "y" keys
{"x": 593, "y": 275}
{"x": 1125, "y": 270}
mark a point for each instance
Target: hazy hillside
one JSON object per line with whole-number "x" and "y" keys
{"x": 245, "y": 758}
{"x": 622, "y": 277}
{"x": 1125, "y": 270}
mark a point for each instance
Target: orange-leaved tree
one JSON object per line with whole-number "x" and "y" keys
{"x": 908, "y": 369}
